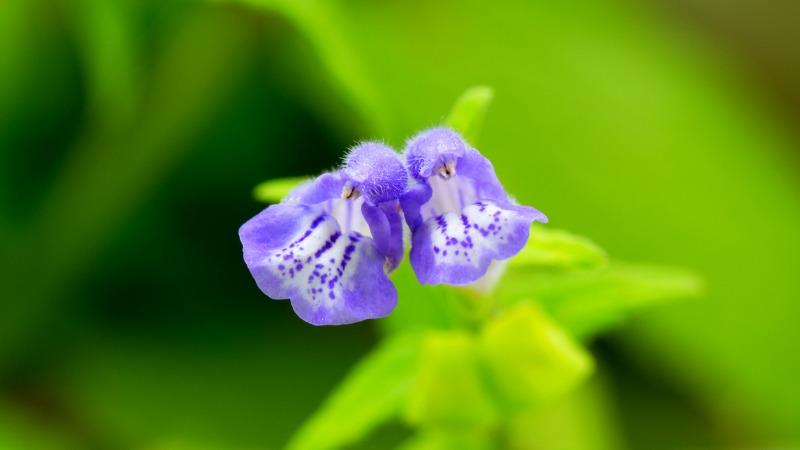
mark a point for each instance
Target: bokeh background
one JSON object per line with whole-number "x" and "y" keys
{"x": 133, "y": 131}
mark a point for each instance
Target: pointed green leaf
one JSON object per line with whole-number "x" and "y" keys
{"x": 273, "y": 191}
{"x": 449, "y": 390}
{"x": 323, "y": 24}
{"x": 530, "y": 359}
{"x": 447, "y": 440}
{"x": 552, "y": 248}
{"x": 469, "y": 112}
{"x": 108, "y": 46}
{"x": 583, "y": 419}
{"x": 371, "y": 395}
{"x": 589, "y": 302}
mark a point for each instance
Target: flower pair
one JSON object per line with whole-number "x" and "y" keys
{"x": 329, "y": 245}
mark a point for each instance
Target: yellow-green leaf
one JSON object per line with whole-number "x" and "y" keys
{"x": 469, "y": 112}
{"x": 530, "y": 359}
{"x": 449, "y": 391}
{"x": 589, "y": 302}
{"x": 558, "y": 249}
{"x": 372, "y": 394}
{"x": 439, "y": 439}
{"x": 273, "y": 191}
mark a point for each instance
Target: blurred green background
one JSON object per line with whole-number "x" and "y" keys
{"x": 133, "y": 131}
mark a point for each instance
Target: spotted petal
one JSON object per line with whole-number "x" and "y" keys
{"x": 458, "y": 248}
{"x": 299, "y": 252}
{"x": 461, "y": 217}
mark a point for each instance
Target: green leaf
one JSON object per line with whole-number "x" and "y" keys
{"x": 530, "y": 359}
{"x": 20, "y": 431}
{"x": 469, "y": 112}
{"x": 549, "y": 248}
{"x": 444, "y": 440}
{"x": 589, "y": 302}
{"x": 372, "y": 394}
{"x": 426, "y": 307}
{"x": 273, "y": 191}
{"x": 109, "y": 48}
{"x": 449, "y": 391}
{"x": 184, "y": 444}
{"x": 323, "y": 24}
{"x": 112, "y": 176}
{"x": 583, "y": 419}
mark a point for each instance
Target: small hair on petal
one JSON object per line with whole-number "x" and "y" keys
{"x": 375, "y": 171}
{"x": 432, "y": 149}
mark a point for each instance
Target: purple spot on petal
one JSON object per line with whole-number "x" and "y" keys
{"x": 317, "y": 221}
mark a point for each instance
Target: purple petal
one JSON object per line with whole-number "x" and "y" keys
{"x": 386, "y": 228}
{"x": 458, "y": 248}
{"x": 327, "y": 186}
{"x": 332, "y": 278}
{"x": 432, "y": 148}
{"x": 411, "y": 202}
{"x": 376, "y": 171}
{"x": 460, "y": 216}
{"x": 478, "y": 171}
{"x": 457, "y": 175}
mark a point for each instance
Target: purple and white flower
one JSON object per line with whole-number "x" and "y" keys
{"x": 328, "y": 246}
{"x": 460, "y": 216}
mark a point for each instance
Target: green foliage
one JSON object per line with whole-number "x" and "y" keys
{"x": 372, "y": 394}
{"x": 449, "y": 440}
{"x": 426, "y": 307}
{"x": 452, "y": 384}
{"x": 550, "y": 248}
{"x": 179, "y": 444}
{"x": 107, "y": 107}
{"x": 320, "y": 22}
{"x": 530, "y": 359}
{"x": 112, "y": 169}
{"x": 449, "y": 391}
{"x": 475, "y": 362}
{"x": 585, "y": 418}
{"x": 469, "y": 112}
{"x": 589, "y": 302}
{"x": 18, "y": 432}
{"x": 109, "y": 49}
{"x": 273, "y": 191}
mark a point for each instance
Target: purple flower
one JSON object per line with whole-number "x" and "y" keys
{"x": 460, "y": 216}
{"x": 328, "y": 245}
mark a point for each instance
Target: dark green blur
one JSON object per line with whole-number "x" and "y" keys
{"x": 132, "y": 134}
